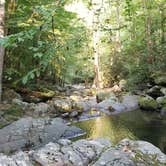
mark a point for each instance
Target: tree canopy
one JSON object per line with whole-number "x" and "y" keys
{"x": 77, "y": 41}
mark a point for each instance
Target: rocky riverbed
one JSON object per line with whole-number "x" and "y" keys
{"x": 99, "y": 152}
{"x": 37, "y": 133}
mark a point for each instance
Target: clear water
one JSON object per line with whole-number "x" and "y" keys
{"x": 140, "y": 125}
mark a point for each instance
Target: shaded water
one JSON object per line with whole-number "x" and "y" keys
{"x": 140, "y": 125}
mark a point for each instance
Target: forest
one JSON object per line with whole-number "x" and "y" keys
{"x": 92, "y": 63}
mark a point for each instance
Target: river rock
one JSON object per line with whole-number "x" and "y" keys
{"x": 39, "y": 109}
{"x": 129, "y": 102}
{"x": 29, "y": 132}
{"x": 114, "y": 157}
{"x": 85, "y": 105}
{"x": 103, "y": 95}
{"x": 161, "y": 100}
{"x": 98, "y": 152}
{"x": 160, "y": 79}
{"x": 148, "y": 103}
{"x": 146, "y": 148}
{"x": 62, "y": 105}
{"x": 163, "y": 90}
{"x": 9, "y": 95}
{"x": 19, "y": 159}
{"x": 155, "y": 92}
{"x": 79, "y": 153}
{"x": 34, "y": 110}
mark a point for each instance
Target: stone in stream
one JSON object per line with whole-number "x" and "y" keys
{"x": 114, "y": 157}
{"x": 79, "y": 153}
{"x": 19, "y": 159}
{"x": 147, "y": 149}
{"x": 148, "y": 103}
{"x": 155, "y": 91}
{"x": 129, "y": 102}
{"x": 98, "y": 152}
{"x": 163, "y": 90}
{"x": 29, "y": 132}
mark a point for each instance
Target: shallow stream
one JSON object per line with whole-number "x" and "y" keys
{"x": 139, "y": 125}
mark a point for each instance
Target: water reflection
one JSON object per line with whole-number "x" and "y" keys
{"x": 135, "y": 125}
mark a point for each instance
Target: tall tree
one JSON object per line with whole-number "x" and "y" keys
{"x": 2, "y": 51}
{"x": 96, "y": 25}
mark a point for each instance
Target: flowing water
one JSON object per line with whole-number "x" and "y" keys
{"x": 140, "y": 125}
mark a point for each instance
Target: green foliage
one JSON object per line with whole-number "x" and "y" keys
{"x": 43, "y": 39}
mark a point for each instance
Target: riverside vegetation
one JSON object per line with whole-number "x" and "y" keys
{"x": 82, "y": 82}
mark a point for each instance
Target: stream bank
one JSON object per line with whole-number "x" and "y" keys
{"x": 28, "y": 126}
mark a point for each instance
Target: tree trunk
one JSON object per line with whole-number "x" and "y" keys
{"x": 96, "y": 8}
{"x": 118, "y": 41}
{"x": 2, "y": 50}
{"x": 149, "y": 42}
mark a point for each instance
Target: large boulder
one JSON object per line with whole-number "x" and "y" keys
{"x": 79, "y": 153}
{"x": 143, "y": 152}
{"x": 62, "y": 104}
{"x": 128, "y": 103}
{"x": 34, "y": 110}
{"x": 98, "y": 152}
{"x": 103, "y": 95}
{"x": 114, "y": 157}
{"x": 29, "y": 132}
{"x": 19, "y": 159}
{"x": 148, "y": 103}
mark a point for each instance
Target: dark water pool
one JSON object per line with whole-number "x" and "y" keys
{"x": 140, "y": 125}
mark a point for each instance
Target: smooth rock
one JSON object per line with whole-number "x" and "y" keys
{"x": 19, "y": 159}
{"x": 161, "y": 101}
{"x": 148, "y": 103}
{"x": 163, "y": 90}
{"x": 79, "y": 153}
{"x": 29, "y": 133}
{"x": 145, "y": 148}
{"x": 113, "y": 157}
{"x": 62, "y": 105}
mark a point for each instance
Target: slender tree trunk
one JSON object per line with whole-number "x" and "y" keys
{"x": 96, "y": 7}
{"x": 118, "y": 41}
{"x": 163, "y": 19}
{"x": 2, "y": 50}
{"x": 149, "y": 42}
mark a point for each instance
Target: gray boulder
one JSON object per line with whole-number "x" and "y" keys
{"x": 148, "y": 103}
{"x": 114, "y": 157}
{"x": 29, "y": 132}
{"x": 62, "y": 105}
{"x": 19, "y": 159}
{"x": 79, "y": 153}
{"x": 129, "y": 102}
{"x": 145, "y": 148}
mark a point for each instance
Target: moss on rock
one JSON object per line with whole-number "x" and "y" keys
{"x": 148, "y": 103}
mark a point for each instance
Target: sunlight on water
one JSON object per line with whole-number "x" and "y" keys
{"x": 134, "y": 125}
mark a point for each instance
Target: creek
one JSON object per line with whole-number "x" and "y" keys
{"x": 137, "y": 125}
